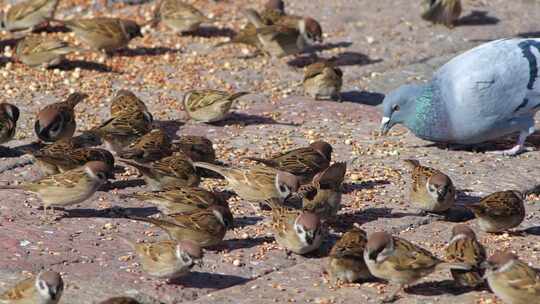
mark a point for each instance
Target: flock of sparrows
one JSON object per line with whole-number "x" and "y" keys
{"x": 302, "y": 187}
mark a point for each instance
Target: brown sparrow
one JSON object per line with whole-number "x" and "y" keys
{"x": 209, "y": 105}
{"x": 171, "y": 170}
{"x": 441, "y": 11}
{"x": 398, "y": 261}
{"x": 28, "y": 15}
{"x": 197, "y": 148}
{"x": 297, "y": 231}
{"x": 152, "y": 146}
{"x": 179, "y": 16}
{"x": 57, "y": 120}
{"x": 167, "y": 259}
{"x": 465, "y": 248}
{"x": 120, "y": 300}
{"x": 512, "y": 280}
{"x": 323, "y": 196}
{"x": 256, "y": 183}
{"x": 206, "y": 227}
{"x": 322, "y": 80}
{"x": 64, "y": 155}
{"x": 180, "y": 199}
{"x": 9, "y": 115}
{"x": 303, "y": 162}
{"x": 430, "y": 189}
{"x": 103, "y": 33}
{"x": 499, "y": 211}
{"x": 284, "y": 39}
{"x": 68, "y": 188}
{"x": 346, "y": 263}
{"x": 42, "y": 51}
{"x": 126, "y": 101}
{"x": 45, "y": 288}
{"x": 121, "y": 130}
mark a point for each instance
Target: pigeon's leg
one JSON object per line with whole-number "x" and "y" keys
{"x": 520, "y": 145}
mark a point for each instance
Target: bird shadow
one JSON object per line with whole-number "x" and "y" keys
{"x": 146, "y": 51}
{"x": 7, "y": 152}
{"x": 353, "y": 187}
{"x": 211, "y": 32}
{"x": 341, "y": 59}
{"x": 438, "y": 288}
{"x": 529, "y": 35}
{"x": 347, "y": 220}
{"x": 234, "y": 244}
{"x": 244, "y": 119}
{"x": 477, "y": 17}
{"x": 330, "y": 46}
{"x": 363, "y": 97}
{"x": 171, "y": 127}
{"x": 245, "y": 221}
{"x": 70, "y": 65}
{"x": 113, "y": 212}
{"x": 10, "y": 42}
{"x": 209, "y": 280}
{"x": 123, "y": 184}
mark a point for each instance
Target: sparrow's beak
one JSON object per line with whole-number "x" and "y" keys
{"x": 385, "y": 125}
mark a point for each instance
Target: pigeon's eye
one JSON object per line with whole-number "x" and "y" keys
{"x": 395, "y": 108}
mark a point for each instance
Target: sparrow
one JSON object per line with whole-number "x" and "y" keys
{"x": 67, "y": 188}
{"x": 179, "y": 16}
{"x": 303, "y": 162}
{"x": 9, "y": 115}
{"x": 171, "y": 170}
{"x": 322, "y": 80}
{"x": 295, "y": 230}
{"x": 256, "y": 183}
{"x": 125, "y": 101}
{"x": 512, "y": 280}
{"x": 152, "y": 146}
{"x": 430, "y": 189}
{"x": 121, "y": 130}
{"x": 167, "y": 259}
{"x": 28, "y": 15}
{"x": 42, "y": 51}
{"x": 446, "y": 12}
{"x": 273, "y": 11}
{"x": 205, "y": 227}
{"x": 398, "y": 261}
{"x": 284, "y": 39}
{"x": 103, "y": 33}
{"x": 499, "y": 211}
{"x": 120, "y": 300}
{"x": 323, "y": 196}
{"x": 65, "y": 155}
{"x": 197, "y": 148}
{"x": 346, "y": 263}
{"x": 180, "y": 199}
{"x": 209, "y": 105}
{"x": 465, "y": 248}
{"x": 57, "y": 120}
{"x": 45, "y": 288}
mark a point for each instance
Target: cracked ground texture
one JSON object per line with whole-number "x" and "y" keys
{"x": 379, "y": 45}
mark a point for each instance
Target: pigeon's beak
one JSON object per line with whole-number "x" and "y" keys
{"x": 385, "y": 125}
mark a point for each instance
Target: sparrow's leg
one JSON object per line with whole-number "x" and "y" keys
{"x": 393, "y": 296}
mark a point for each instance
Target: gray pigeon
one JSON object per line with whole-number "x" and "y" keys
{"x": 485, "y": 93}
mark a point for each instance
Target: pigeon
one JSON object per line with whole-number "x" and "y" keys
{"x": 486, "y": 93}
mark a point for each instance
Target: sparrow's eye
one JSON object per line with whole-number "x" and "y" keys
{"x": 395, "y": 108}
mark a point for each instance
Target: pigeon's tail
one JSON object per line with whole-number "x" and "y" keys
{"x": 458, "y": 266}
{"x": 212, "y": 167}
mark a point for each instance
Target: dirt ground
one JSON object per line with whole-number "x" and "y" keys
{"x": 379, "y": 45}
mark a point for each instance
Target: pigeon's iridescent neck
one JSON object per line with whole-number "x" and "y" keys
{"x": 427, "y": 121}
